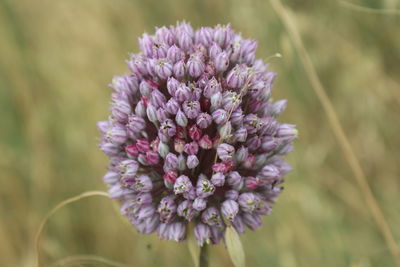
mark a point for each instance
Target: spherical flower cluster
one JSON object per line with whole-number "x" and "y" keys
{"x": 193, "y": 135}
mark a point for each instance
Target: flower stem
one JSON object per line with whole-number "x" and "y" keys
{"x": 204, "y": 259}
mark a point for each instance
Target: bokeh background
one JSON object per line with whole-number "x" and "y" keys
{"x": 56, "y": 59}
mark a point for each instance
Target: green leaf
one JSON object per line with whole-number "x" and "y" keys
{"x": 234, "y": 247}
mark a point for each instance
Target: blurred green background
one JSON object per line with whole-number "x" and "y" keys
{"x": 56, "y": 59}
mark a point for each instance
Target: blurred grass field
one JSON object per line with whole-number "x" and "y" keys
{"x": 57, "y": 58}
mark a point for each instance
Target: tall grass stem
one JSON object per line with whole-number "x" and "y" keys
{"x": 338, "y": 130}
{"x": 53, "y": 211}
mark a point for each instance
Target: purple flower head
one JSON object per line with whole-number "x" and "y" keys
{"x": 193, "y": 134}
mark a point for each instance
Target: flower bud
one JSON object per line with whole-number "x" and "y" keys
{"x": 232, "y": 194}
{"x": 143, "y": 145}
{"x": 237, "y": 117}
{"x": 195, "y": 132}
{"x": 179, "y": 145}
{"x": 186, "y": 210}
{"x": 218, "y": 179}
{"x": 221, "y": 62}
{"x": 171, "y": 161}
{"x": 225, "y": 130}
{"x": 205, "y": 142}
{"x": 146, "y": 87}
{"x": 168, "y": 128}
{"x": 235, "y": 180}
{"x": 269, "y": 172}
{"x": 248, "y": 163}
{"x": 277, "y": 108}
{"x": 140, "y": 109}
{"x": 240, "y": 135}
{"x": 181, "y": 118}
{"x": 231, "y": 101}
{"x": 204, "y": 187}
{"x": 248, "y": 202}
{"x": 145, "y": 212}
{"x": 195, "y": 66}
{"x": 215, "y": 50}
{"x": 203, "y": 120}
{"x": 172, "y": 106}
{"x": 182, "y": 184}
{"x": 111, "y": 177}
{"x": 229, "y": 209}
{"x": 191, "y": 148}
{"x": 182, "y": 93}
{"x": 223, "y": 35}
{"x": 137, "y": 64}
{"x": 163, "y": 149}
{"x": 143, "y": 184}
{"x": 152, "y": 157}
{"x": 212, "y": 87}
{"x": 202, "y": 234}
{"x": 199, "y": 204}
{"x": 184, "y": 41}
{"x": 204, "y": 36}
{"x": 191, "y": 109}
{"x": 179, "y": 69}
{"x": 252, "y": 183}
{"x": 253, "y": 143}
{"x": 177, "y": 231}
{"x": 151, "y": 113}
{"x": 163, "y": 68}
{"x": 128, "y": 167}
{"x": 287, "y": 131}
{"x": 146, "y": 45}
{"x": 110, "y": 149}
{"x": 211, "y": 216}
{"x": 121, "y": 110}
{"x": 157, "y": 98}
{"x": 181, "y": 162}
{"x": 167, "y": 209}
{"x": 192, "y": 161}
{"x": 225, "y": 152}
{"x": 253, "y": 221}
{"x": 248, "y": 50}
{"x": 236, "y": 78}
{"x": 220, "y": 116}
{"x": 116, "y": 135}
{"x": 174, "y": 54}
{"x": 216, "y": 100}
{"x": 170, "y": 176}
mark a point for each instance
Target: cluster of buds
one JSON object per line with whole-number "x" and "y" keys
{"x": 193, "y": 135}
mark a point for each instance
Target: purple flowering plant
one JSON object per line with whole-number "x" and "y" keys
{"x": 193, "y": 135}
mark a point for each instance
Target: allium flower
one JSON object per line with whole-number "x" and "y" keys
{"x": 193, "y": 135}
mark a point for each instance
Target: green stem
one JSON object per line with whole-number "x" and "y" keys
{"x": 204, "y": 259}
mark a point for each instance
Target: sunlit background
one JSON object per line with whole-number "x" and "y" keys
{"x": 56, "y": 59}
